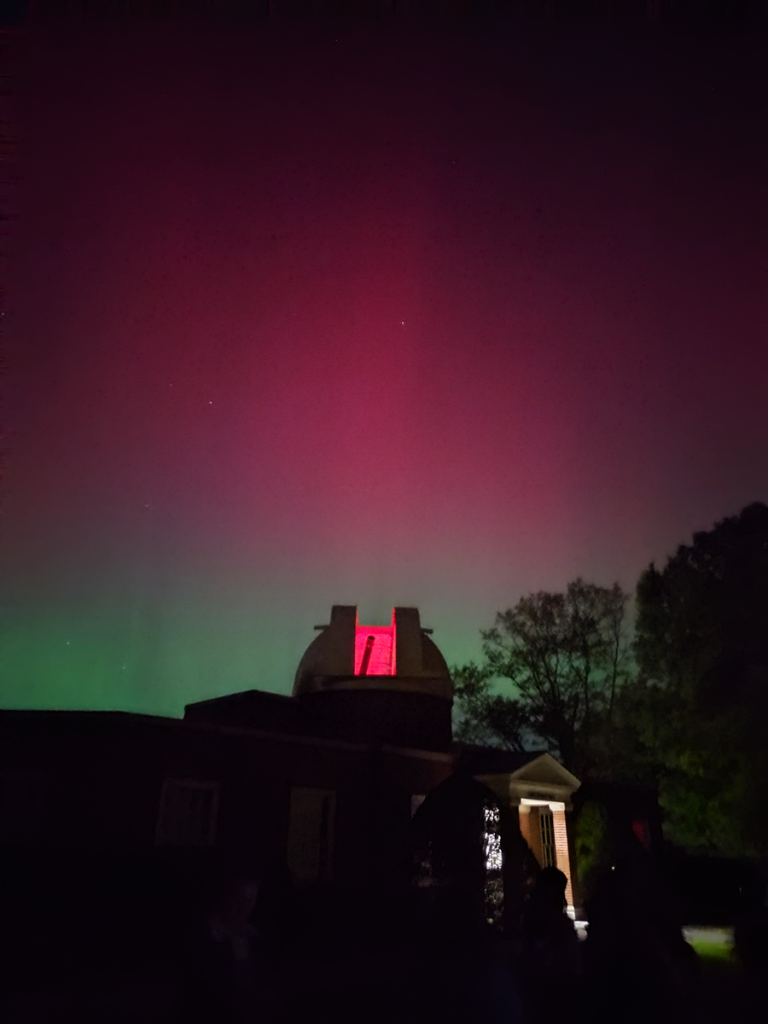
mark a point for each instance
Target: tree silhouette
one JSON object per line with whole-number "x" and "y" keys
{"x": 702, "y": 653}
{"x": 564, "y": 657}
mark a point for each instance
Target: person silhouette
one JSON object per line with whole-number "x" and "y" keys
{"x": 230, "y": 978}
{"x": 551, "y": 953}
{"x": 638, "y": 965}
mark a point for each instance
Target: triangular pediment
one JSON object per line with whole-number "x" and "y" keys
{"x": 546, "y": 771}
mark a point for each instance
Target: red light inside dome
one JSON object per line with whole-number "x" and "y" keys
{"x": 375, "y": 650}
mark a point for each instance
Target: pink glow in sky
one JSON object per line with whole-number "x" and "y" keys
{"x": 371, "y": 318}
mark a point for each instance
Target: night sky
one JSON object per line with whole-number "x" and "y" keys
{"x": 366, "y": 315}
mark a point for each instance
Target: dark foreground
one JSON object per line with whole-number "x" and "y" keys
{"x": 388, "y": 989}
{"x": 239, "y": 947}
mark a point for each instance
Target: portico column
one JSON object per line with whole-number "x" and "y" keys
{"x": 561, "y": 849}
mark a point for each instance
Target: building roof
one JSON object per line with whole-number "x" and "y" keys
{"x": 536, "y": 765}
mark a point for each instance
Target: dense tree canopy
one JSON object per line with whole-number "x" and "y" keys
{"x": 702, "y": 627}
{"x": 702, "y": 655}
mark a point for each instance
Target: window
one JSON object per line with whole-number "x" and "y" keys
{"x": 310, "y": 834}
{"x": 547, "y": 826}
{"x": 21, "y": 803}
{"x": 188, "y": 811}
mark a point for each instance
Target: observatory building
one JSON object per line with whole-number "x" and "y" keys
{"x": 377, "y": 685}
{"x": 325, "y": 782}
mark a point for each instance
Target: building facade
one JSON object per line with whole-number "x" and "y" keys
{"x": 323, "y": 783}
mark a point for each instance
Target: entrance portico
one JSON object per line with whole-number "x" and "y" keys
{"x": 540, "y": 791}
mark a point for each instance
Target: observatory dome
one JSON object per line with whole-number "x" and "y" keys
{"x": 382, "y": 684}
